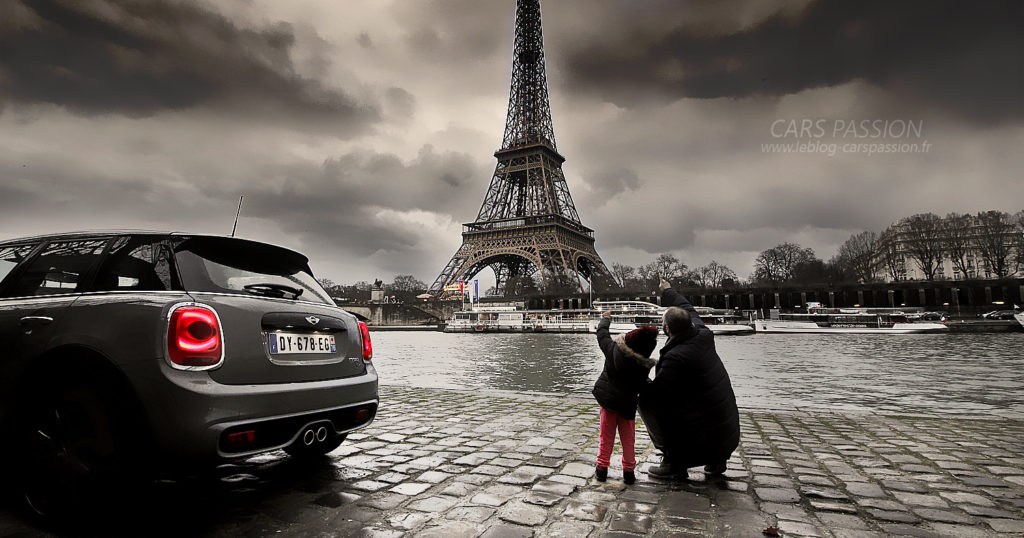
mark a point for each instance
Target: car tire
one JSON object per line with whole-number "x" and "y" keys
{"x": 74, "y": 449}
{"x": 299, "y": 450}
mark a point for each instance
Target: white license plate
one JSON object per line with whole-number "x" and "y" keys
{"x": 301, "y": 343}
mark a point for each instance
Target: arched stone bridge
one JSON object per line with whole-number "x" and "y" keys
{"x": 419, "y": 313}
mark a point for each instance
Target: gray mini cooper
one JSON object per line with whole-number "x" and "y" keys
{"x": 118, "y": 349}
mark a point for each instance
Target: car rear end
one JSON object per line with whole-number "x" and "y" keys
{"x": 258, "y": 359}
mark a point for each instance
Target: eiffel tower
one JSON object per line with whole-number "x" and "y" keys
{"x": 527, "y": 222}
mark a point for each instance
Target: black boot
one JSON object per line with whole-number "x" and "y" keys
{"x": 667, "y": 471}
{"x": 715, "y": 468}
{"x": 628, "y": 477}
{"x": 601, "y": 474}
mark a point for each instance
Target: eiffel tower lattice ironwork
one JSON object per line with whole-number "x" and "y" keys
{"x": 527, "y": 222}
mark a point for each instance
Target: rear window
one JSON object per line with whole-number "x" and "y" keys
{"x": 225, "y": 265}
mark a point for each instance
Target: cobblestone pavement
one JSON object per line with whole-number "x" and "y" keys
{"x": 451, "y": 464}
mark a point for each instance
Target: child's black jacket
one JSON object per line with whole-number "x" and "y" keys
{"x": 625, "y": 373}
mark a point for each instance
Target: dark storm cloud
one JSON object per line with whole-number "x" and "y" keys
{"x": 357, "y": 200}
{"x": 960, "y": 56}
{"x": 400, "y": 102}
{"x": 464, "y": 30}
{"x": 605, "y": 183}
{"x": 139, "y": 58}
{"x": 364, "y": 40}
{"x": 356, "y": 205}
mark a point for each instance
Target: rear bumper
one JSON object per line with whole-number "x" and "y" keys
{"x": 191, "y": 415}
{"x": 250, "y": 437}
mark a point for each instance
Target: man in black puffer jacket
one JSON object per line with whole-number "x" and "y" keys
{"x": 689, "y": 408}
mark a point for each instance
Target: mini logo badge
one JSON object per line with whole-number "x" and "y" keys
{"x": 313, "y": 320}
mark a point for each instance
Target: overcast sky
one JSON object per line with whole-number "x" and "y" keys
{"x": 362, "y": 133}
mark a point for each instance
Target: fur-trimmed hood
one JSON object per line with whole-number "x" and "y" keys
{"x": 646, "y": 362}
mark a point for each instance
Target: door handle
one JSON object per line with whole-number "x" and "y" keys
{"x": 36, "y": 320}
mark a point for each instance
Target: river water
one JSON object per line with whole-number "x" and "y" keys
{"x": 961, "y": 374}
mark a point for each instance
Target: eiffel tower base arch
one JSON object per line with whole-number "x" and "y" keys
{"x": 557, "y": 255}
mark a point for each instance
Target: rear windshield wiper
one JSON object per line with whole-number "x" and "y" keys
{"x": 273, "y": 290}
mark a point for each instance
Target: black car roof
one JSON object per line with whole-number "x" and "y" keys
{"x": 86, "y": 233}
{"x": 90, "y": 233}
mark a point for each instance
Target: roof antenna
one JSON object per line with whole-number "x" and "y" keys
{"x": 235, "y": 225}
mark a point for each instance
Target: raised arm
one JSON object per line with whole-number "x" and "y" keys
{"x": 604, "y": 336}
{"x": 671, "y": 297}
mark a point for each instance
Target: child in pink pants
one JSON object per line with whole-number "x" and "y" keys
{"x": 627, "y": 363}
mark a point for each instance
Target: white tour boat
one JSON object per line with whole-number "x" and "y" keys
{"x": 509, "y": 319}
{"x": 629, "y": 315}
{"x": 847, "y": 321}
{"x": 724, "y": 321}
{"x": 626, "y": 316}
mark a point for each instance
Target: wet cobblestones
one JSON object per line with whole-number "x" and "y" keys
{"x": 452, "y": 464}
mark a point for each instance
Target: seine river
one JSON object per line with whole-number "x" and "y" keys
{"x": 960, "y": 374}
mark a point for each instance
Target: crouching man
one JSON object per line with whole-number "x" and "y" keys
{"x": 689, "y": 408}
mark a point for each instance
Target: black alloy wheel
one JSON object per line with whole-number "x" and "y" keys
{"x": 73, "y": 452}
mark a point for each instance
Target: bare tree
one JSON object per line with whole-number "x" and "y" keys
{"x": 669, "y": 266}
{"x": 406, "y": 287}
{"x": 889, "y": 253}
{"x": 557, "y": 284}
{"x": 923, "y": 239}
{"x": 407, "y": 283}
{"x": 811, "y": 271}
{"x": 995, "y": 241}
{"x": 858, "y": 256}
{"x": 518, "y": 286}
{"x": 360, "y": 291}
{"x": 712, "y": 275}
{"x": 624, "y": 275}
{"x": 957, "y": 231}
{"x": 1019, "y": 242}
{"x": 601, "y": 281}
{"x": 778, "y": 264}
{"x": 666, "y": 265}
{"x": 648, "y": 276}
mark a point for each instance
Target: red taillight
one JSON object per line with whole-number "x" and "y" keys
{"x": 367, "y": 346}
{"x": 240, "y": 438}
{"x": 193, "y": 337}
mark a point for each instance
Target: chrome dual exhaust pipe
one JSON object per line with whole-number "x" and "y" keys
{"x": 310, "y": 436}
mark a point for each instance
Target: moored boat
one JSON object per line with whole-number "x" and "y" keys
{"x": 724, "y": 321}
{"x": 629, "y": 315}
{"x": 509, "y": 319}
{"x": 847, "y": 321}
{"x": 626, "y": 316}
{"x": 1019, "y": 316}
